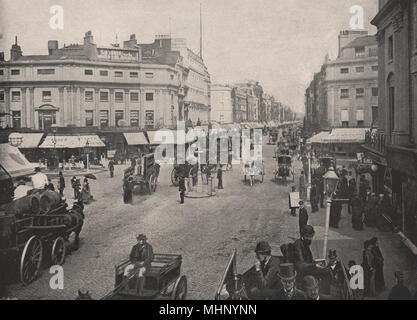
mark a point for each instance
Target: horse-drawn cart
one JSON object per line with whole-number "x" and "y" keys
{"x": 283, "y": 168}
{"x": 148, "y": 177}
{"x": 35, "y": 231}
{"x": 163, "y": 281}
{"x": 252, "y": 169}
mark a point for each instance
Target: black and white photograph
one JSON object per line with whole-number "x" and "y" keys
{"x": 208, "y": 150}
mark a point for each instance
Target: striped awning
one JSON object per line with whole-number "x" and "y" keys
{"x": 346, "y": 135}
{"x": 318, "y": 138}
{"x": 72, "y": 142}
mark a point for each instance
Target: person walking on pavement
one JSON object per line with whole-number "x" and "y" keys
{"x": 302, "y": 217}
{"x": 61, "y": 183}
{"x": 357, "y": 213}
{"x": 321, "y": 192}
{"x": 111, "y": 168}
{"x": 75, "y": 184}
{"x": 379, "y": 265}
{"x": 293, "y": 209}
{"x": 302, "y": 186}
{"x": 314, "y": 198}
{"x": 399, "y": 291}
{"x": 182, "y": 188}
{"x": 368, "y": 265}
{"x": 351, "y": 193}
{"x": 220, "y": 177}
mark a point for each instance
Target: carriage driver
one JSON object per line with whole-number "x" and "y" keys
{"x": 141, "y": 258}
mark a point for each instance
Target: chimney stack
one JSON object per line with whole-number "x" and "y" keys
{"x": 15, "y": 51}
{"x": 88, "y": 38}
{"x": 52, "y": 45}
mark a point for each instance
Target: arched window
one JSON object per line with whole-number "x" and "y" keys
{"x": 391, "y": 101}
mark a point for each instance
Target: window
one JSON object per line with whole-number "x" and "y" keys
{"x": 360, "y": 92}
{"x": 16, "y": 119}
{"x": 88, "y": 72}
{"x": 344, "y": 70}
{"x": 360, "y": 118}
{"x": 373, "y": 52}
{"x": 46, "y": 71}
{"x": 344, "y": 116}
{"x": 360, "y": 69}
{"x": 104, "y": 118}
{"x": 134, "y": 96}
{"x": 46, "y": 96}
{"x": 118, "y": 116}
{"x": 374, "y": 114}
{"x": 375, "y": 92}
{"x": 344, "y": 93}
{"x": 118, "y": 74}
{"x": 149, "y": 119}
{"x": 88, "y": 95}
{"x": 89, "y": 118}
{"x": 1, "y": 96}
{"x": 374, "y": 68}
{"x": 104, "y": 96}
{"x": 15, "y": 72}
{"x": 104, "y": 73}
{"x": 149, "y": 75}
{"x": 134, "y": 75}
{"x": 149, "y": 96}
{"x": 391, "y": 48}
{"x": 134, "y": 118}
{"x": 1, "y": 72}
{"x": 172, "y": 77}
{"x": 360, "y": 52}
{"x": 118, "y": 96}
{"x": 391, "y": 102}
{"x": 46, "y": 119}
{"x": 15, "y": 96}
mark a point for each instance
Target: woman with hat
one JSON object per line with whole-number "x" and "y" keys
{"x": 289, "y": 291}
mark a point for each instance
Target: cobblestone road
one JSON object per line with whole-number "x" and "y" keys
{"x": 203, "y": 231}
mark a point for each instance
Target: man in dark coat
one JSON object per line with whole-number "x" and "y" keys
{"x": 220, "y": 177}
{"x": 399, "y": 291}
{"x": 379, "y": 265}
{"x": 266, "y": 284}
{"x": 75, "y": 183}
{"x": 321, "y": 191}
{"x": 335, "y": 213}
{"x": 141, "y": 257}
{"x": 314, "y": 198}
{"x": 303, "y": 216}
{"x": 111, "y": 168}
{"x": 289, "y": 291}
{"x": 61, "y": 183}
{"x": 351, "y": 193}
{"x": 181, "y": 188}
{"x": 357, "y": 213}
{"x": 128, "y": 189}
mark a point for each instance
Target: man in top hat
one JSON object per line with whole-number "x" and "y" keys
{"x": 289, "y": 291}
{"x": 141, "y": 257}
{"x": 302, "y": 217}
{"x": 311, "y": 288}
{"x": 336, "y": 275}
{"x": 266, "y": 268}
{"x": 399, "y": 291}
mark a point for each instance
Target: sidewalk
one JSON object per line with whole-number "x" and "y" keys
{"x": 349, "y": 245}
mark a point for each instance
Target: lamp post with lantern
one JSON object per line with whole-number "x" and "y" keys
{"x": 87, "y": 150}
{"x": 331, "y": 181}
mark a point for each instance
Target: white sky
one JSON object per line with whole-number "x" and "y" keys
{"x": 279, "y": 43}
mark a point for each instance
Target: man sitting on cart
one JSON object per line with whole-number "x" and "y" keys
{"x": 141, "y": 258}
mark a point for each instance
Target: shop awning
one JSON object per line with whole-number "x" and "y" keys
{"x": 318, "y": 138}
{"x": 72, "y": 142}
{"x": 13, "y": 163}
{"x": 135, "y": 138}
{"x": 346, "y": 135}
{"x": 29, "y": 140}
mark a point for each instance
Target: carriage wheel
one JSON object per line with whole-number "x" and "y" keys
{"x": 180, "y": 289}
{"x": 154, "y": 183}
{"x": 58, "y": 251}
{"x": 31, "y": 260}
{"x": 45, "y": 204}
{"x": 174, "y": 178}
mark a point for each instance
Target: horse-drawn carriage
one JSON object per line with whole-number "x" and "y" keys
{"x": 35, "y": 231}
{"x": 273, "y": 136}
{"x": 186, "y": 170}
{"x": 252, "y": 169}
{"x": 283, "y": 168}
{"x": 147, "y": 176}
{"x": 163, "y": 281}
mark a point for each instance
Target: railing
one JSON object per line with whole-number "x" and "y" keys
{"x": 377, "y": 141}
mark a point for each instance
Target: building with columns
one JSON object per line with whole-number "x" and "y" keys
{"x": 85, "y": 85}
{"x": 393, "y": 146}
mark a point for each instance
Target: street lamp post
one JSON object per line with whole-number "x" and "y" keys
{"x": 309, "y": 172}
{"x": 87, "y": 144}
{"x": 54, "y": 130}
{"x": 331, "y": 180}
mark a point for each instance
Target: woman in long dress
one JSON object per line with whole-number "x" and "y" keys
{"x": 85, "y": 192}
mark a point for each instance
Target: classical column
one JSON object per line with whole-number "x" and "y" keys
{"x": 81, "y": 111}
{"x": 127, "y": 107}
{"x": 61, "y": 106}
{"x": 111, "y": 108}
{"x": 96, "y": 107}
{"x": 7, "y": 95}
{"x": 68, "y": 106}
{"x": 75, "y": 106}
{"x": 23, "y": 112}
{"x": 32, "y": 108}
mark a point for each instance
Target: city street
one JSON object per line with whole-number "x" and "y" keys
{"x": 203, "y": 231}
